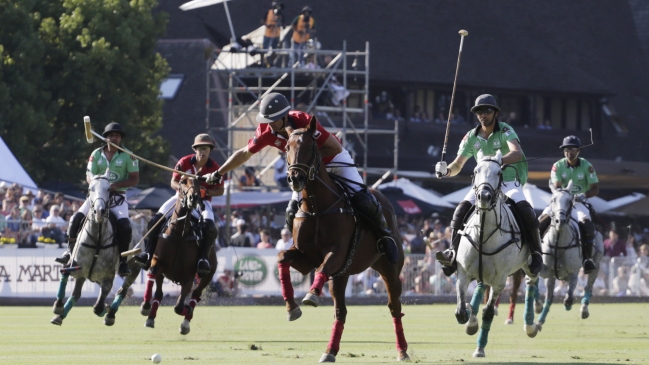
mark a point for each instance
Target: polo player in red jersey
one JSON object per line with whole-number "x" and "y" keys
{"x": 199, "y": 164}
{"x": 274, "y": 117}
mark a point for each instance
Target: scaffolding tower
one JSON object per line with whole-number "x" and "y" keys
{"x": 337, "y": 94}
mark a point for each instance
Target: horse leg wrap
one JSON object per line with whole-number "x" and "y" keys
{"x": 544, "y": 312}
{"x": 285, "y": 281}
{"x": 318, "y": 283}
{"x": 402, "y": 345}
{"x": 149, "y": 287}
{"x": 117, "y": 302}
{"x": 512, "y": 306}
{"x": 154, "y": 308}
{"x": 477, "y": 298}
{"x": 68, "y": 305}
{"x": 586, "y": 299}
{"x": 336, "y": 334}
{"x": 192, "y": 304}
{"x": 488, "y": 314}
{"x": 483, "y": 337}
{"x": 62, "y": 285}
{"x": 529, "y": 305}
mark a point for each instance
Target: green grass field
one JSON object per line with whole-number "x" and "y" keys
{"x": 615, "y": 333}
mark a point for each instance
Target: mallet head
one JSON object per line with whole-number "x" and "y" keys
{"x": 463, "y": 33}
{"x": 88, "y": 129}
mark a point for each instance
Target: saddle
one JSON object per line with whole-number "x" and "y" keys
{"x": 195, "y": 227}
{"x": 519, "y": 220}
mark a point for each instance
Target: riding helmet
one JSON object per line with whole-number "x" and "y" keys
{"x": 571, "y": 141}
{"x": 273, "y": 107}
{"x": 485, "y": 100}
{"x": 114, "y": 127}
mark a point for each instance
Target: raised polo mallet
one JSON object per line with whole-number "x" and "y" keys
{"x": 89, "y": 138}
{"x": 463, "y": 33}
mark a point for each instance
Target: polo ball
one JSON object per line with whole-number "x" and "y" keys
{"x": 156, "y": 358}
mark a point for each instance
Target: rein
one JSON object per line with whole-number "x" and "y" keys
{"x": 573, "y": 243}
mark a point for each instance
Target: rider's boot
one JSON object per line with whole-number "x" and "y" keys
{"x": 447, "y": 258}
{"x": 544, "y": 224}
{"x": 291, "y": 210}
{"x": 367, "y": 205}
{"x": 587, "y": 229}
{"x": 526, "y": 212}
{"x": 73, "y": 232}
{"x": 144, "y": 258}
{"x": 124, "y": 235}
{"x": 210, "y": 232}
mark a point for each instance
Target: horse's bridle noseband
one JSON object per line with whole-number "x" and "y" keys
{"x": 92, "y": 202}
{"x": 310, "y": 168}
{"x": 495, "y": 191}
{"x": 567, "y": 212}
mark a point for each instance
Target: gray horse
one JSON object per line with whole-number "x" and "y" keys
{"x": 562, "y": 257}
{"x": 490, "y": 250}
{"x": 95, "y": 255}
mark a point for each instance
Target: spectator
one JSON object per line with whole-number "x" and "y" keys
{"x": 630, "y": 247}
{"x": 31, "y": 197}
{"x": 457, "y": 118}
{"x": 273, "y": 20}
{"x": 55, "y": 225}
{"x": 621, "y": 282}
{"x": 248, "y": 179}
{"x": 599, "y": 286}
{"x": 241, "y": 238}
{"x": 285, "y": 242}
{"x": 9, "y": 203}
{"x": 59, "y": 199}
{"x": 417, "y": 245}
{"x": 24, "y": 234}
{"x": 613, "y": 245}
{"x": 3, "y": 224}
{"x": 428, "y": 227}
{"x": 281, "y": 172}
{"x": 441, "y": 119}
{"x": 13, "y": 223}
{"x": 264, "y": 242}
{"x": 303, "y": 28}
{"x": 24, "y": 204}
{"x": 38, "y": 222}
{"x": 644, "y": 250}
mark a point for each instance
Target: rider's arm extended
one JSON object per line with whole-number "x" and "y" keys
{"x": 455, "y": 167}
{"x": 331, "y": 147}
{"x": 237, "y": 159}
{"x": 133, "y": 179}
{"x": 515, "y": 152}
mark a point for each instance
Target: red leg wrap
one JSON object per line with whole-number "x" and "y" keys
{"x": 498, "y": 301}
{"x": 285, "y": 281}
{"x": 192, "y": 303}
{"x": 336, "y": 334}
{"x": 154, "y": 308}
{"x": 402, "y": 345}
{"x": 318, "y": 282}
{"x": 148, "y": 292}
{"x": 511, "y": 310}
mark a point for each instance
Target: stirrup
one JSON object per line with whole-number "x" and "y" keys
{"x": 64, "y": 259}
{"x": 388, "y": 246}
{"x": 443, "y": 259}
{"x": 589, "y": 266}
{"x": 123, "y": 269}
{"x": 205, "y": 270}
{"x": 535, "y": 270}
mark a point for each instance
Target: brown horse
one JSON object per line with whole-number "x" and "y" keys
{"x": 175, "y": 258}
{"x": 328, "y": 238}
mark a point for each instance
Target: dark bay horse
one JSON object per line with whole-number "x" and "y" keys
{"x": 176, "y": 256}
{"x": 328, "y": 238}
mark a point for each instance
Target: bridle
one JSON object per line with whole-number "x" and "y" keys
{"x": 495, "y": 191}
{"x": 309, "y": 169}
{"x": 92, "y": 202}
{"x": 565, "y": 212}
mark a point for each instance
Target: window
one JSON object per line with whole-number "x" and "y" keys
{"x": 169, "y": 86}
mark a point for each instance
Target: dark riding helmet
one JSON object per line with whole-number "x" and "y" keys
{"x": 307, "y": 9}
{"x": 114, "y": 127}
{"x": 273, "y": 107}
{"x": 571, "y": 141}
{"x": 485, "y": 100}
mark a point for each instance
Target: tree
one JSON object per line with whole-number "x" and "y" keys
{"x": 63, "y": 59}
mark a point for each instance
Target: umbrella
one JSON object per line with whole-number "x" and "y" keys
{"x": 411, "y": 189}
{"x": 407, "y": 205}
{"x": 151, "y": 198}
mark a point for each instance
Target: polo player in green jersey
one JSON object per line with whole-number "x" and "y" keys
{"x": 489, "y": 137}
{"x": 584, "y": 185}
{"x": 124, "y": 173}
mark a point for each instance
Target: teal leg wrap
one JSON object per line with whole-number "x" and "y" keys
{"x": 62, "y": 285}
{"x": 116, "y": 303}
{"x": 586, "y": 299}
{"x": 529, "y": 305}
{"x": 483, "y": 337}
{"x": 537, "y": 295}
{"x": 544, "y": 312}
{"x": 478, "y": 294}
{"x": 68, "y": 305}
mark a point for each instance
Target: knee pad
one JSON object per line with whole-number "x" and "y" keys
{"x": 75, "y": 224}
{"x": 124, "y": 230}
{"x": 210, "y": 232}
{"x": 460, "y": 214}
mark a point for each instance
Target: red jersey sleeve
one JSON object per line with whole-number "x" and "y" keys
{"x": 263, "y": 137}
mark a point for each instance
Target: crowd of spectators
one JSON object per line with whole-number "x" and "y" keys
{"x": 255, "y": 228}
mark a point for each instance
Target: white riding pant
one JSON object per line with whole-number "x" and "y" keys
{"x": 167, "y": 209}
{"x": 120, "y": 211}
{"x": 338, "y": 167}
{"x": 510, "y": 189}
{"x": 579, "y": 212}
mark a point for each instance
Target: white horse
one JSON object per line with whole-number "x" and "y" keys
{"x": 562, "y": 257}
{"x": 490, "y": 250}
{"x": 95, "y": 254}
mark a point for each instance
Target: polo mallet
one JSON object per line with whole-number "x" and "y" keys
{"x": 379, "y": 181}
{"x": 68, "y": 270}
{"x": 463, "y": 33}
{"x": 89, "y": 138}
{"x": 136, "y": 249}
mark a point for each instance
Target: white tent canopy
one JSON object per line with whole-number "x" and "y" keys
{"x": 11, "y": 170}
{"x": 415, "y": 191}
{"x": 625, "y": 200}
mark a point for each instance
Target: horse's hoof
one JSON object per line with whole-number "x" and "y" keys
{"x": 310, "y": 299}
{"x": 294, "y": 314}
{"x": 57, "y": 320}
{"x": 149, "y": 323}
{"x": 145, "y": 309}
{"x": 471, "y": 327}
{"x": 532, "y": 330}
{"x": 403, "y": 356}
{"x": 327, "y": 358}
{"x": 509, "y": 321}
{"x": 479, "y": 352}
{"x": 57, "y": 308}
{"x": 100, "y": 313}
{"x": 584, "y": 311}
{"x": 184, "y": 327}
{"x": 568, "y": 307}
{"x": 110, "y": 319}
{"x": 538, "y": 306}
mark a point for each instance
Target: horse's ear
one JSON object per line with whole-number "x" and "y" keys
{"x": 289, "y": 130}
{"x": 569, "y": 187}
{"x": 551, "y": 185}
{"x": 313, "y": 123}
{"x": 499, "y": 157}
